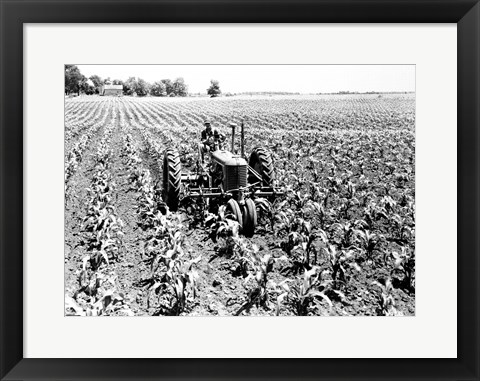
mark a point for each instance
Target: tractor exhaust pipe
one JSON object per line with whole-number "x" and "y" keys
{"x": 242, "y": 140}
{"x": 233, "y": 125}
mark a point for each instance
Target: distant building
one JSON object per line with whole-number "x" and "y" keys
{"x": 115, "y": 90}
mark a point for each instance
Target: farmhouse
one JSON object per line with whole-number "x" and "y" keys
{"x": 114, "y": 90}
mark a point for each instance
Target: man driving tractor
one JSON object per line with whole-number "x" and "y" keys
{"x": 211, "y": 140}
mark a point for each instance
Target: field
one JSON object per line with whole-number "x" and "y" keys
{"x": 340, "y": 241}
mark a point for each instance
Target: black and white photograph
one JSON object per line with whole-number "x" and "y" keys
{"x": 239, "y": 190}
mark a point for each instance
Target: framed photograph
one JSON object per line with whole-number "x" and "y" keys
{"x": 265, "y": 190}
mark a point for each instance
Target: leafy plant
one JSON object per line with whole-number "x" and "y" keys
{"x": 260, "y": 266}
{"x": 404, "y": 263}
{"x": 340, "y": 261}
{"x": 386, "y": 300}
{"x": 305, "y": 294}
{"x": 370, "y": 241}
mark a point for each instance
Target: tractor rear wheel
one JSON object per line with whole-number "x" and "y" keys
{"x": 261, "y": 162}
{"x": 172, "y": 178}
{"x": 249, "y": 218}
{"x": 234, "y": 209}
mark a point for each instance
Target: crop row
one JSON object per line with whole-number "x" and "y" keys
{"x": 98, "y": 293}
{"x": 83, "y": 119}
{"x": 171, "y": 282}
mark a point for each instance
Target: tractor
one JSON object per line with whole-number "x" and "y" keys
{"x": 225, "y": 179}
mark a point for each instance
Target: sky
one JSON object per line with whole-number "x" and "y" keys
{"x": 273, "y": 78}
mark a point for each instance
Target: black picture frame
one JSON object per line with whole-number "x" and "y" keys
{"x": 465, "y": 13}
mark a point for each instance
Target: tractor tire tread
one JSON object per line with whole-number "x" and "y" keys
{"x": 172, "y": 187}
{"x": 249, "y": 218}
{"x": 266, "y": 162}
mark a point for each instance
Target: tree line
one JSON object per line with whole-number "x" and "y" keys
{"x": 77, "y": 83}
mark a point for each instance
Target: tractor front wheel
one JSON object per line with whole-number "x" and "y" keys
{"x": 249, "y": 218}
{"x": 172, "y": 178}
{"x": 234, "y": 209}
{"x": 261, "y": 162}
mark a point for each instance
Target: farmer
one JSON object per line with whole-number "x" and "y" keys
{"x": 208, "y": 133}
{"x": 208, "y": 139}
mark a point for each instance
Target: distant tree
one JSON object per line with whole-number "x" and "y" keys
{"x": 168, "y": 86}
{"x": 214, "y": 89}
{"x": 142, "y": 88}
{"x": 117, "y": 82}
{"x": 129, "y": 86}
{"x": 73, "y": 79}
{"x": 180, "y": 88}
{"x": 107, "y": 81}
{"x": 97, "y": 82}
{"x": 158, "y": 89}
